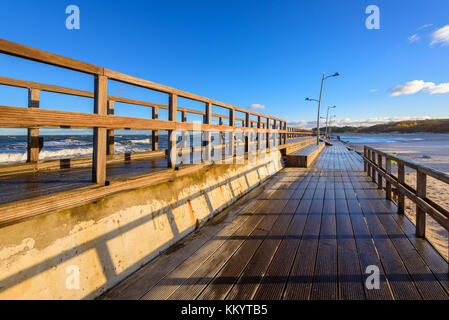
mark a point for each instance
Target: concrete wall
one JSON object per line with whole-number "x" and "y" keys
{"x": 107, "y": 240}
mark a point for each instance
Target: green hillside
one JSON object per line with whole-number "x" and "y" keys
{"x": 409, "y": 126}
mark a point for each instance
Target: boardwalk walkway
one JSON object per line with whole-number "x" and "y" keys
{"x": 308, "y": 234}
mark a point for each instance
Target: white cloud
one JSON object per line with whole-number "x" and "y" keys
{"x": 353, "y": 122}
{"x": 411, "y": 87}
{"x": 373, "y": 90}
{"x": 425, "y": 26}
{"x": 441, "y": 36}
{"x": 257, "y": 106}
{"x": 439, "y": 89}
{"x": 414, "y": 38}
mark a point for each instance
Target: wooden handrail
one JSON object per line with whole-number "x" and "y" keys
{"x": 103, "y": 121}
{"x": 373, "y": 163}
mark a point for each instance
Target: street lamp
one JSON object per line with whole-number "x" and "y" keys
{"x": 336, "y": 74}
{"x": 330, "y": 121}
{"x": 327, "y": 119}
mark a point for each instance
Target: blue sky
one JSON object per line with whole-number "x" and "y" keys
{"x": 270, "y": 53}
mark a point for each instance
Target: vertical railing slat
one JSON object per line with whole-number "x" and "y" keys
{"x": 207, "y": 134}
{"x": 33, "y": 133}
{"x": 110, "y": 132}
{"x": 155, "y": 133}
{"x": 172, "y": 110}
{"x": 421, "y": 188}
{"x": 401, "y": 180}
{"x": 388, "y": 183}
{"x": 100, "y": 134}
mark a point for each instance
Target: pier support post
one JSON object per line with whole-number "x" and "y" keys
{"x": 421, "y": 186}
{"x": 285, "y": 134}
{"x": 365, "y": 163}
{"x": 373, "y": 168}
{"x": 100, "y": 134}
{"x": 110, "y": 132}
{"x": 379, "y": 176}
{"x": 247, "y": 134}
{"x": 207, "y": 134}
{"x": 232, "y": 135}
{"x": 33, "y": 146}
{"x": 155, "y": 133}
{"x": 268, "y": 133}
{"x": 401, "y": 180}
{"x": 172, "y": 110}
{"x": 185, "y": 134}
{"x": 387, "y": 183}
{"x": 220, "y": 123}
{"x": 259, "y": 135}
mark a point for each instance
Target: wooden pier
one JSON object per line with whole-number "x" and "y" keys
{"x": 249, "y": 230}
{"x": 308, "y": 234}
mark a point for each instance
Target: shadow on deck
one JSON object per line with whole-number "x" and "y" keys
{"x": 312, "y": 234}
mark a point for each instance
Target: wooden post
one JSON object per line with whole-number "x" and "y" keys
{"x": 99, "y": 150}
{"x": 379, "y": 176}
{"x": 185, "y": 135}
{"x": 207, "y": 134}
{"x": 155, "y": 133}
{"x": 373, "y": 159}
{"x": 220, "y": 123}
{"x": 110, "y": 132}
{"x": 268, "y": 134}
{"x": 421, "y": 187}
{"x": 387, "y": 183}
{"x": 401, "y": 180}
{"x": 365, "y": 163}
{"x": 247, "y": 134}
{"x": 259, "y": 135}
{"x": 33, "y": 133}
{"x": 285, "y": 134}
{"x": 172, "y": 110}
{"x": 232, "y": 135}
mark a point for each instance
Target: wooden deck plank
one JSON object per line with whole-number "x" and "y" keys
{"x": 273, "y": 284}
{"x": 325, "y": 279}
{"x": 426, "y": 283}
{"x": 301, "y": 276}
{"x": 309, "y": 234}
{"x": 367, "y": 251}
{"x": 400, "y": 281}
{"x": 350, "y": 277}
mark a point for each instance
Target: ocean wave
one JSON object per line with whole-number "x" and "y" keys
{"x": 17, "y": 157}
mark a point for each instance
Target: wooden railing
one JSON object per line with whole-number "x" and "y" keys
{"x": 378, "y": 166}
{"x": 103, "y": 122}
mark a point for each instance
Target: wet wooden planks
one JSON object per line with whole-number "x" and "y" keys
{"x": 310, "y": 234}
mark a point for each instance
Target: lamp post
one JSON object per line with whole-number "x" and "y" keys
{"x": 336, "y": 74}
{"x": 330, "y": 132}
{"x": 327, "y": 119}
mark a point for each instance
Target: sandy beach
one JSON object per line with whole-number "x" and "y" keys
{"x": 431, "y": 150}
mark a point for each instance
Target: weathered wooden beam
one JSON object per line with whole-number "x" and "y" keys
{"x": 99, "y": 148}
{"x": 33, "y": 146}
{"x": 110, "y": 132}
{"x": 388, "y": 183}
{"x": 421, "y": 188}
{"x": 155, "y": 133}
{"x": 207, "y": 136}
{"x": 21, "y": 51}
{"x": 172, "y": 111}
{"x": 401, "y": 180}
{"x": 379, "y": 176}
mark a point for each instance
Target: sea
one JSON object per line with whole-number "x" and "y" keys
{"x": 13, "y": 148}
